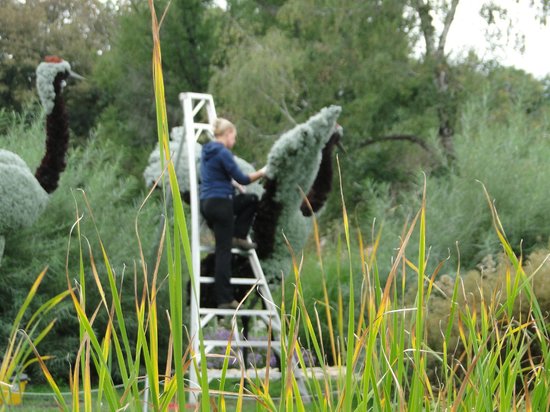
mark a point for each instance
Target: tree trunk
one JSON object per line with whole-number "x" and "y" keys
{"x": 435, "y": 55}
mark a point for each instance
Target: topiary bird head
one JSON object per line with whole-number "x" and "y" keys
{"x": 51, "y": 76}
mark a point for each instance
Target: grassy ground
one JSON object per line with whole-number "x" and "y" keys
{"x": 41, "y": 399}
{"x": 34, "y": 404}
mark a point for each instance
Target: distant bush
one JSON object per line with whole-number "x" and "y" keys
{"x": 509, "y": 158}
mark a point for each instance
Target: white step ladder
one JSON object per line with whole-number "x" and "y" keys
{"x": 198, "y": 115}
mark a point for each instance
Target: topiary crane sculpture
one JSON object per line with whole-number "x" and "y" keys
{"x": 24, "y": 196}
{"x": 299, "y": 162}
{"x": 322, "y": 186}
{"x": 301, "y": 159}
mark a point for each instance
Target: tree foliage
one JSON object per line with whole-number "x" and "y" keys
{"x": 189, "y": 31}
{"x": 76, "y": 30}
{"x": 428, "y": 15}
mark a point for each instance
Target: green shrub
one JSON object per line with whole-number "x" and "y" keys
{"x": 509, "y": 158}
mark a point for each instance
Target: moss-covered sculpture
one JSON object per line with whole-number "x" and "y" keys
{"x": 292, "y": 167}
{"x": 24, "y": 196}
{"x": 299, "y": 161}
{"x": 153, "y": 170}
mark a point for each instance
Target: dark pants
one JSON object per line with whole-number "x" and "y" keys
{"x": 228, "y": 218}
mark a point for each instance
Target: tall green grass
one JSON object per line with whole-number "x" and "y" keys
{"x": 498, "y": 363}
{"x": 25, "y": 335}
{"x": 381, "y": 357}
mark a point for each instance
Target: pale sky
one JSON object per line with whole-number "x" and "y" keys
{"x": 468, "y": 30}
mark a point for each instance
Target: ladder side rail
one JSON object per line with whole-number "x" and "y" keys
{"x": 195, "y": 242}
{"x": 191, "y": 136}
{"x": 264, "y": 288}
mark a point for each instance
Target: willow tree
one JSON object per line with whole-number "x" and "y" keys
{"x": 315, "y": 54}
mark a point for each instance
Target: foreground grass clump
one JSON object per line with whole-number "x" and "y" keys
{"x": 487, "y": 288}
{"x": 25, "y": 334}
{"x": 477, "y": 341}
{"x": 491, "y": 352}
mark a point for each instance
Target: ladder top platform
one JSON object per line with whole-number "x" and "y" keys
{"x": 196, "y": 96}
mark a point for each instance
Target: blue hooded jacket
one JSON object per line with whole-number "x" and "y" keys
{"x": 217, "y": 168}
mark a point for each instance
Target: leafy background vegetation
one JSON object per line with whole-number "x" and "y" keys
{"x": 270, "y": 65}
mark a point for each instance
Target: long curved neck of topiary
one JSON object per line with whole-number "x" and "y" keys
{"x": 267, "y": 219}
{"x": 318, "y": 194}
{"x": 57, "y": 140}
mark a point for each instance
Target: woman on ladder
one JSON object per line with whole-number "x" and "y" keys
{"x": 229, "y": 216}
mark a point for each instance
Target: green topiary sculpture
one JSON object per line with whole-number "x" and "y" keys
{"x": 293, "y": 163}
{"x": 299, "y": 161}
{"x": 23, "y": 196}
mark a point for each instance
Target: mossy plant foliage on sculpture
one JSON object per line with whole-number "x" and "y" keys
{"x": 154, "y": 169}
{"x": 22, "y": 199}
{"x": 24, "y": 195}
{"x": 292, "y": 165}
{"x": 45, "y": 76}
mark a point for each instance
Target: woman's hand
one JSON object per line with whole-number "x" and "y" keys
{"x": 258, "y": 174}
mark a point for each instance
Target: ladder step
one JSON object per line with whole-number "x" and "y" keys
{"x": 240, "y": 312}
{"x": 242, "y": 343}
{"x": 235, "y": 251}
{"x": 232, "y": 373}
{"x": 235, "y": 281}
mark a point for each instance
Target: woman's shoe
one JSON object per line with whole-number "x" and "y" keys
{"x": 229, "y": 305}
{"x": 243, "y": 244}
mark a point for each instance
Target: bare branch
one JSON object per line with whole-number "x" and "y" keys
{"x": 282, "y": 108}
{"x": 285, "y": 108}
{"x": 406, "y": 137}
